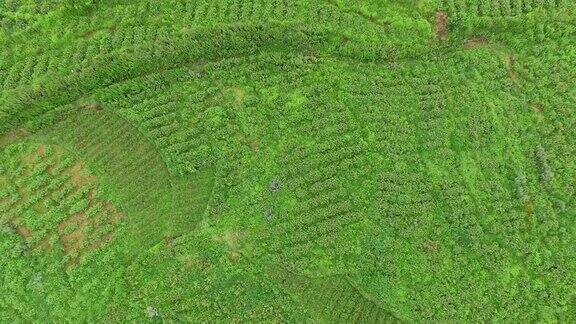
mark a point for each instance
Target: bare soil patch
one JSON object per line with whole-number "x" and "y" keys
{"x": 78, "y": 233}
{"x": 238, "y": 95}
{"x": 73, "y": 241}
{"x": 441, "y": 25}
{"x": 92, "y": 106}
{"x": 429, "y": 246}
{"x": 114, "y": 214}
{"x": 26, "y": 234}
{"x": 231, "y": 238}
{"x": 194, "y": 262}
{"x": 41, "y": 151}
{"x": 475, "y": 42}
{"x": 40, "y": 207}
{"x": 510, "y": 67}
{"x": 88, "y": 33}
{"x": 91, "y": 32}
{"x": 537, "y": 108}
{"x": 253, "y": 144}
{"x": 79, "y": 177}
{"x": 12, "y": 136}
{"x": 30, "y": 159}
{"x": 43, "y": 244}
{"x": 23, "y": 231}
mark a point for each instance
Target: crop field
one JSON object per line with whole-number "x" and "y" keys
{"x": 299, "y": 161}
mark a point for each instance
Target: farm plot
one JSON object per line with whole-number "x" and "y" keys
{"x": 54, "y": 203}
{"x": 132, "y": 170}
{"x": 340, "y": 302}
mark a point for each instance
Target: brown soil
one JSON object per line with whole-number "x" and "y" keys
{"x": 110, "y": 214}
{"x": 528, "y": 208}
{"x": 31, "y": 158}
{"x": 50, "y": 170}
{"x": 23, "y": 231}
{"x": 114, "y": 214}
{"x": 41, "y": 150}
{"x": 475, "y": 42}
{"x": 253, "y": 144}
{"x": 441, "y": 25}
{"x": 76, "y": 219}
{"x": 91, "y": 196}
{"x": 100, "y": 242}
{"x": 537, "y": 108}
{"x": 12, "y": 136}
{"x": 43, "y": 244}
{"x": 202, "y": 68}
{"x": 73, "y": 241}
{"x": 429, "y": 246}
{"x": 510, "y": 67}
{"x": 238, "y": 96}
{"x": 88, "y": 34}
{"x": 40, "y": 207}
{"x": 231, "y": 239}
{"x": 92, "y": 106}
{"x": 194, "y": 262}
{"x": 77, "y": 233}
{"x": 26, "y": 234}
{"x": 24, "y": 193}
{"x": 78, "y": 175}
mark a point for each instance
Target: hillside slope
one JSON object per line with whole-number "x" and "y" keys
{"x": 325, "y": 161}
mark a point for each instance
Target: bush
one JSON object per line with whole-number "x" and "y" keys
{"x": 546, "y": 173}
{"x": 152, "y": 312}
{"x": 520, "y": 184}
{"x": 80, "y": 5}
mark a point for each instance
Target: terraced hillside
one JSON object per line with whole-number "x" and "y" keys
{"x": 324, "y": 161}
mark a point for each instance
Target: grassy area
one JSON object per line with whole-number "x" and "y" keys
{"x": 325, "y": 161}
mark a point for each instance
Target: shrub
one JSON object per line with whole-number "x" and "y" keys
{"x": 152, "y": 312}
{"x": 546, "y": 173}
{"x": 520, "y": 184}
{"x": 80, "y": 5}
{"x": 274, "y": 185}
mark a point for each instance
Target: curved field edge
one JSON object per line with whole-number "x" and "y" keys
{"x": 186, "y": 47}
{"x": 106, "y": 71}
{"x": 135, "y": 173}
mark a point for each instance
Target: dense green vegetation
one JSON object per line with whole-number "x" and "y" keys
{"x": 329, "y": 161}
